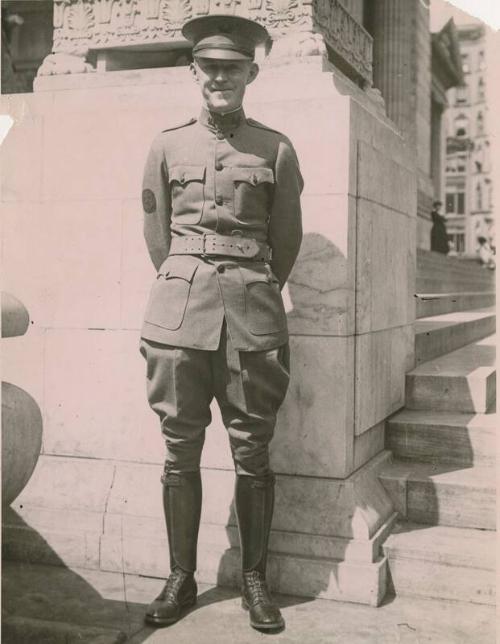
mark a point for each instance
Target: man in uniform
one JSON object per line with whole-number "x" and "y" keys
{"x": 222, "y": 223}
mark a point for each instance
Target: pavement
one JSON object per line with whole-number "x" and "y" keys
{"x": 57, "y": 605}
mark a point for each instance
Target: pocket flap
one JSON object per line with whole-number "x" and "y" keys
{"x": 178, "y": 267}
{"x": 185, "y": 173}
{"x": 254, "y": 176}
{"x": 251, "y": 276}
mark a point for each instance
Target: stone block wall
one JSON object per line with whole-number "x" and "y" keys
{"x": 74, "y": 253}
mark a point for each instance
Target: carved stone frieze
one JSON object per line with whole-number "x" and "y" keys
{"x": 84, "y": 25}
{"x": 346, "y": 37}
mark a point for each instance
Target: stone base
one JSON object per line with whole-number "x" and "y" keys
{"x": 332, "y": 550}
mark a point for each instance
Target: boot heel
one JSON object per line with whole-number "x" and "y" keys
{"x": 188, "y": 603}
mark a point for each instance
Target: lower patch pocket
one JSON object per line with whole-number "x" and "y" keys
{"x": 264, "y": 306}
{"x": 169, "y": 296}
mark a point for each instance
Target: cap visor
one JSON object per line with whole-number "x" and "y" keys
{"x": 221, "y": 54}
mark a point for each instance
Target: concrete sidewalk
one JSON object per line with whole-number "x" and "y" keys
{"x": 56, "y": 605}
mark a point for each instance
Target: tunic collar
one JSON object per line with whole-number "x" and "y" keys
{"x": 222, "y": 122}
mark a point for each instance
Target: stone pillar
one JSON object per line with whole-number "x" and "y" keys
{"x": 402, "y": 72}
{"x": 393, "y": 32}
{"x": 437, "y": 145}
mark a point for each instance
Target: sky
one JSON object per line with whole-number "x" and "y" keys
{"x": 486, "y": 10}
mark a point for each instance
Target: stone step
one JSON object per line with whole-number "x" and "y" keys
{"x": 443, "y": 562}
{"x": 442, "y": 494}
{"x": 440, "y": 334}
{"x": 429, "y": 304}
{"x": 430, "y": 285}
{"x": 443, "y": 437}
{"x": 461, "y": 381}
{"x": 437, "y": 273}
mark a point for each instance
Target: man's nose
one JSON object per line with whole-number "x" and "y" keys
{"x": 220, "y": 74}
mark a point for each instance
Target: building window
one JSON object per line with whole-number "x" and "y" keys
{"x": 479, "y": 166}
{"x": 461, "y": 95}
{"x": 465, "y": 63}
{"x": 458, "y": 242}
{"x": 481, "y": 64}
{"x": 480, "y": 123}
{"x": 479, "y": 197}
{"x": 450, "y": 202}
{"x": 480, "y": 90}
{"x": 460, "y": 203}
{"x": 455, "y": 203}
{"x": 461, "y": 123}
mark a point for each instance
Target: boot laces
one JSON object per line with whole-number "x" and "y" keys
{"x": 257, "y": 587}
{"x": 173, "y": 585}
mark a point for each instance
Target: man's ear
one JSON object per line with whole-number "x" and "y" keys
{"x": 192, "y": 69}
{"x": 253, "y": 72}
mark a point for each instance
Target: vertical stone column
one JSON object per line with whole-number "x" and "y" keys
{"x": 401, "y": 71}
{"x": 392, "y": 33}
{"x": 436, "y": 148}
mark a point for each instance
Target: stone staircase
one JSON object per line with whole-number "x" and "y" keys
{"x": 442, "y": 478}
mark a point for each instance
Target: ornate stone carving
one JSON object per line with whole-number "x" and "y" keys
{"x": 174, "y": 14}
{"x": 281, "y": 13}
{"x": 62, "y": 63}
{"x": 346, "y": 37}
{"x": 303, "y": 25}
{"x": 299, "y": 44}
{"x": 81, "y": 19}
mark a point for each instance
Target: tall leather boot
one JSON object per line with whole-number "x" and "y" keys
{"x": 182, "y": 507}
{"x": 254, "y": 498}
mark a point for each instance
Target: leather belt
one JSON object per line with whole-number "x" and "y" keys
{"x": 227, "y": 245}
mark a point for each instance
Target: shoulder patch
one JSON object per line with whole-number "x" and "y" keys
{"x": 177, "y": 127}
{"x": 255, "y": 123}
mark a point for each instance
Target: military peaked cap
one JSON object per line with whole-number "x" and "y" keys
{"x": 224, "y": 37}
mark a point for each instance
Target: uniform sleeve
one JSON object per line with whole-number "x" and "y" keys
{"x": 156, "y": 205}
{"x": 285, "y": 226}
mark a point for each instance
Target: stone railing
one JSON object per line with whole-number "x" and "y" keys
{"x": 297, "y": 28}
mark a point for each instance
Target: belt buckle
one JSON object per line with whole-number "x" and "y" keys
{"x": 247, "y": 247}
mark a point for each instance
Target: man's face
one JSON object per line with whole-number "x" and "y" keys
{"x": 223, "y": 82}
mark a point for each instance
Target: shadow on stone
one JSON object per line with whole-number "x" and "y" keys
{"x": 331, "y": 512}
{"x": 47, "y": 602}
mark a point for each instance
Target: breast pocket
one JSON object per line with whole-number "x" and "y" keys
{"x": 187, "y": 186}
{"x": 253, "y": 191}
{"x": 265, "y": 312}
{"x": 170, "y": 294}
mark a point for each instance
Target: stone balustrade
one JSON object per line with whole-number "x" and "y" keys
{"x": 297, "y": 28}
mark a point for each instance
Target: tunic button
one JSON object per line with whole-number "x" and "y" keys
{"x": 221, "y": 268}
{"x": 220, "y": 135}
{"x": 219, "y": 200}
{"x": 218, "y": 166}
{"x": 254, "y": 179}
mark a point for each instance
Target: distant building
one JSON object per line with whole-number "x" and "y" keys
{"x": 446, "y": 70}
{"x": 468, "y": 169}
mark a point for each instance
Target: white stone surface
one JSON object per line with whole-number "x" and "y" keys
{"x": 382, "y": 359}
{"x": 60, "y": 260}
{"x": 385, "y": 268}
{"x": 314, "y": 430}
{"x": 21, "y": 154}
{"x": 95, "y": 397}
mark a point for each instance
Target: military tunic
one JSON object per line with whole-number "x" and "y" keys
{"x": 231, "y": 176}
{"x": 215, "y": 325}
